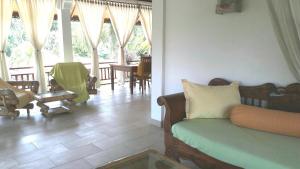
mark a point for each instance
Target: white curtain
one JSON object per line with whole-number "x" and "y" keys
{"x": 91, "y": 16}
{"x": 123, "y": 17}
{"x": 146, "y": 17}
{"x": 6, "y": 9}
{"x": 285, "y": 15}
{"x": 37, "y": 16}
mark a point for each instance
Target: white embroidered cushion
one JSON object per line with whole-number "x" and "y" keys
{"x": 204, "y": 101}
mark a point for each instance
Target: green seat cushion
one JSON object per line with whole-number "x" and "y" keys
{"x": 243, "y": 147}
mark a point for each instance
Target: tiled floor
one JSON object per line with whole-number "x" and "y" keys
{"x": 111, "y": 125}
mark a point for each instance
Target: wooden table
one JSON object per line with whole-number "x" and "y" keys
{"x": 63, "y": 95}
{"x": 124, "y": 68}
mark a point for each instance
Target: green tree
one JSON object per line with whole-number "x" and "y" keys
{"x": 16, "y": 36}
{"x": 108, "y": 47}
{"x": 20, "y": 51}
{"x": 80, "y": 46}
{"x": 137, "y": 44}
{"x": 52, "y": 43}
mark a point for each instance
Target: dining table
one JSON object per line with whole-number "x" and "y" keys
{"x": 124, "y": 68}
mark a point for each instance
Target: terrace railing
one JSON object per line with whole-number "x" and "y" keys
{"x": 27, "y": 73}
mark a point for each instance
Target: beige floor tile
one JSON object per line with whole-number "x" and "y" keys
{"x": 44, "y": 163}
{"x": 78, "y": 164}
{"x": 110, "y": 126}
{"x": 56, "y": 140}
{"x": 8, "y": 163}
{"x": 88, "y": 139}
{"x": 40, "y": 153}
{"x": 98, "y": 159}
{"x": 74, "y": 154}
{"x": 17, "y": 149}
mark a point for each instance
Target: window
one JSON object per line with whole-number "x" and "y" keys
{"x": 137, "y": 44}
{"x": 50, "y": 50}
{"x": 108, "y": 48}
{"x": 81, "y": 49}
{"x": 20, "y": 52}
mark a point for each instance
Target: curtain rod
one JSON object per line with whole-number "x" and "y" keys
{"x": 135, "y": 2}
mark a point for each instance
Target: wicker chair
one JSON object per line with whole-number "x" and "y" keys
{"x": 9, "y": 100}
{"x": 144, "y": 72}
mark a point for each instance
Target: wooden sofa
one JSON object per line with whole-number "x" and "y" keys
{"x": 266, "y": 95}
{"x": 91, "y": 85}
{"x": 9, "y": 100}
{"x": 75, "y": 71}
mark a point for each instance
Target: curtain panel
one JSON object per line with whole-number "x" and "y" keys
{"x": 6, "y": 9}
{"x": 285, "y": 16}
{"x": 91, "y": 16}
{"x": 146, "y": 17}
{"x": 123, "y": 17}
{"x": 37, "y": 16}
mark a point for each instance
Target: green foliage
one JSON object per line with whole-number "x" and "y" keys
{"x": 143, "y": 48}
{"x": 52, "y": 43}
{"x": 80, "y": 46}
{"x": 138, "y": 44}
{"x": 17, "y": 36}
{"x": 108, "y": 47}
{"x": 20, "y": 51}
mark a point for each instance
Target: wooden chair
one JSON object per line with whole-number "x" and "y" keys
{"x": 10, "y": 100}
{"x": 143, "y": 73}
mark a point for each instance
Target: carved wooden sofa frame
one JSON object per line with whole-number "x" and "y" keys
{"x": 91, "y": 85}
{"x": 9, "y": 100}
{"x": 266, "y": 95}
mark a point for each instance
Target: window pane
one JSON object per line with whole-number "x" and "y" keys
{"x": 137, "y": 44}
{"x": 108, "y": 48}
{"x": 50, "y": 50}
{"x": 19, "y": 50}
{"x": 81, "y": 50}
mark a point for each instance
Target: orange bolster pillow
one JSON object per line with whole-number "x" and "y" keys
{"x": 274, "y": 121}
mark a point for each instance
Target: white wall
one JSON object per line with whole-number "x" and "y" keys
{"x": 157, "y": 60}
{"x": 201, "y": 45}
{"x": 239, "y": 46}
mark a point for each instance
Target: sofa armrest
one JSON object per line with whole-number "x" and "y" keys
{"x": 8, "y": 97}
{"x": 174, "y": 107}
{"x": 31, "y": 85}
{"x": 54, "y": 86}
{"x": 91, "y": 83}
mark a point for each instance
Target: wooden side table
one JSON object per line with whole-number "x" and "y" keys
{"x": 64, "y": 96}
